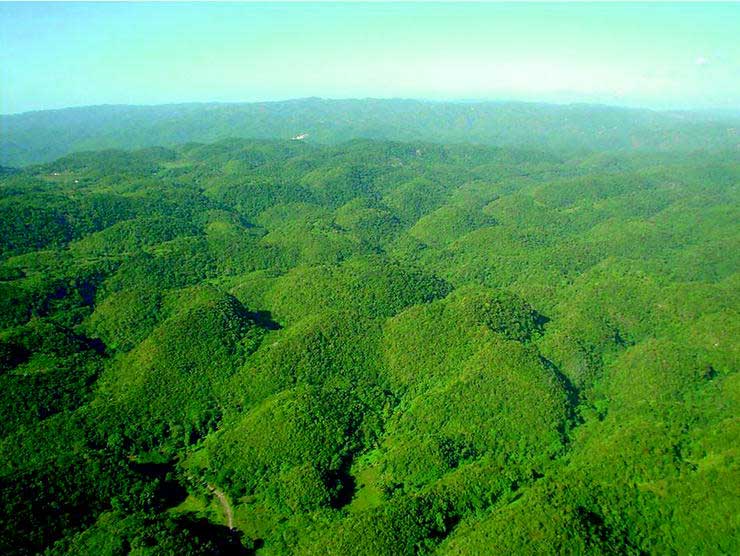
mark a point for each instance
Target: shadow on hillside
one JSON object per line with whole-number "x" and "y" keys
{"x": 347, "y": 485}
{"x": 219, "y": 538}
{"x": 264, "y": 319}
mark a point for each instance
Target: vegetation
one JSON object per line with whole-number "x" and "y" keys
{"x": 278, "y": 347}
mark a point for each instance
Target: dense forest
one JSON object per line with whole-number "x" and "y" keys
{"x": 371, "y": 347}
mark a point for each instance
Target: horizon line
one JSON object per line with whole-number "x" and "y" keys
{"x": 421, "y": 99}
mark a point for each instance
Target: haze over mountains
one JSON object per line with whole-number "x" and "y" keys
{"x": 42, "y": 136}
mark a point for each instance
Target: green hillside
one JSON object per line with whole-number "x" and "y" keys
{"x": 369, "y": 347}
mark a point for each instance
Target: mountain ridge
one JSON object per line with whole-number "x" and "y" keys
{"x": 43, "y": 136}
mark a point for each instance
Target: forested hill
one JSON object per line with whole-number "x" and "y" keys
{"x": 43, "y": 136}
{"x": 374, "y": 348}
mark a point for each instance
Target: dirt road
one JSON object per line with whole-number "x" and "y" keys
{"x": 225, "y": 505}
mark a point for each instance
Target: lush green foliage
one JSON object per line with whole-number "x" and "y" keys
{"x": 371, "y": 348}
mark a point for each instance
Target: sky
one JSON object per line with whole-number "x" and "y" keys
{"x": 659, "y": 55}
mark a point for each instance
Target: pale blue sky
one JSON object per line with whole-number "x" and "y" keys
{"x": 655, "y": 55}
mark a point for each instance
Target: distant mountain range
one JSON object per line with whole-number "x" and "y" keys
{"x": 42, "y": 136}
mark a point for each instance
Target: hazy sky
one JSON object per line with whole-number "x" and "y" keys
{"x": 657, "y": 55}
